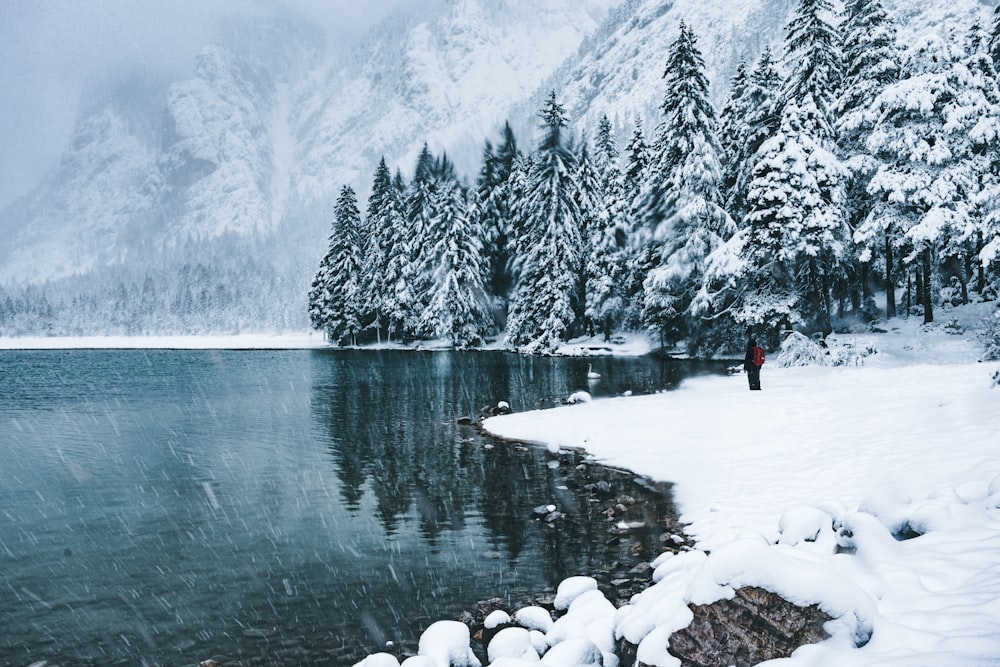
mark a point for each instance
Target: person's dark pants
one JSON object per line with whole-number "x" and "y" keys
{"x": 753, "y": 375}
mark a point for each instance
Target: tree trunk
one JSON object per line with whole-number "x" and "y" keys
{"x": 963, "y": 279}
{"x": 980, "y": 271}
{"x": 909, "y": 293}
{"x": 925, "y": 262}
{"x": 865, "y": 287}
{"x": 890, "y": 282}
{"x": 827, "y": 306}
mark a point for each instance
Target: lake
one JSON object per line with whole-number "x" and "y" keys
{"x": 289, "y": 507}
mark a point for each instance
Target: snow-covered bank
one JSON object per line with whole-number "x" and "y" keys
{"x": 765, "y": 478}
{"x": 633, "y": 345}
{"x": 247, "y": 341}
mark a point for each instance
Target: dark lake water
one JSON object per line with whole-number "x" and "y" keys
{"x": 290, "y": 507}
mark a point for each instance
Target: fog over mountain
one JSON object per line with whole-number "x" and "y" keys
{"x": 191, "y": 156}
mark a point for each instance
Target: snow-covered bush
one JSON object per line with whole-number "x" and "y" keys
{"x": 800, "y": 350}
{"x": 953, "y": 327}
{"x": 990, "y": 337}
{"x": 852, "y": 355}
{"x": 951, "y": 293}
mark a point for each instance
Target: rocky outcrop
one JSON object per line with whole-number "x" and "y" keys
{"x": 755, "y": 626}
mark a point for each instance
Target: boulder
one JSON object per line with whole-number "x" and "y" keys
{"x": 755, "y": 626}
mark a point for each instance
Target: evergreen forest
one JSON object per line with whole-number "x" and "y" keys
{"x": 847, "y": 178}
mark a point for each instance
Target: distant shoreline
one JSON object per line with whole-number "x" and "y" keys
{"x": 634, "y": 345}
{"x": 290, "y": 341}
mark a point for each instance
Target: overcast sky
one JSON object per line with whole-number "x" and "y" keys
{"x": 49, "y": 49}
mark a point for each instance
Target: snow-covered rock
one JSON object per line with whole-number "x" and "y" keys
{"x": 495, "y": 619}
{"x": 571, "y": 588}
{"x": 379, "y": 660}
{"x": 447, "y": 643}
{"x": 512, "y": 643}
{"x": 577, "y": 652}
{"x": 533, "y": 618}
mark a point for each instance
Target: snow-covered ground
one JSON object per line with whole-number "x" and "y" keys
{"x": 907, "y": 443}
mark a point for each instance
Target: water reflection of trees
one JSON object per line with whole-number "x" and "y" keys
{"x": 390, "y": 421}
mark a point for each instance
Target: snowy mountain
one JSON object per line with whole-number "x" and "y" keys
{"x": 247, "y": 155}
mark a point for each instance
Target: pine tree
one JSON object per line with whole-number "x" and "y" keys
{"x": 493, "y": 194}
{"x": 814, "y": 59}
{"x": 979, "y": 108}
{"x": 637, "y": 260}
{"x": 755, "y": 117}
{"x": 638, "y": 158}
{"x": 319, "y": 297}
{"x": 683, "y": 207}
{"x": 413, "y": 293}
{"x": 381, "y": 269}
{"x": 793, "y": 236}
{"x": 871, "y": 57}
{"x": 989, "y": 203}
{"x": 457, "y": 304}
{"x": 398, "y": 298}
{"x": 335, "y": 299}
{"x": 543, "y": 308}
{"x": 589, "y": 200}
{"x": 819, "y": 236}
{"x": 995, "y": 39}
{"x": 730, "y": 127}
{"x": 606, "y": 256}
{"x": 926, "y": 132}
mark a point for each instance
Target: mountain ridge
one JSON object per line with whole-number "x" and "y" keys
{"x": 256, "y": 143}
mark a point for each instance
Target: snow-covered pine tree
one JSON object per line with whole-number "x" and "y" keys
{"x": 319, "y": 297}
{"x": 589, "y": 199}
{"x": 413, "y": 292}
{"x": 979, "y": 105}
{"x": 989, "y": 204}
{"x": 793, "y": 238}
{"x": 518, "y": 186}
{"x": 684, "y": 201}
{"x": 543, "y": 308}
{"x": 812, "y": 52}
{"x": 730, "y": 125}
{"x": 494, "y": 211}
{"x": 995, "y": 39}
{"x": 871, "y": 62}
{"x": 336, "y": 291}
{"x": 457, "y": 305}
{"x": 927, "y": 129}
{"x": 380, "y": 271}
{"x": 398, "y": 299}
{"x": 606, "y": 259}
{"x": 754, "y": 119}
{"x": 819, "y": 236}
{"x": 637, "y": 160}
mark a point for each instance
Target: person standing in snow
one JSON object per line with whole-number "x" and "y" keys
{"x": 752, "y": 362}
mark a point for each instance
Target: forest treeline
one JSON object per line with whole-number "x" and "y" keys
{"x": 848, "y": 165}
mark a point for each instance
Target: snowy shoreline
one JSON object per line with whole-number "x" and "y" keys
{"x": 633, "y": 345}
{"x": 249, "y": 341}
{"x": 873, "y": 491}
